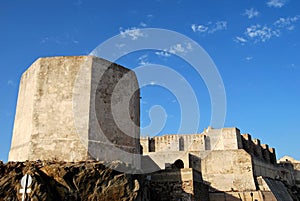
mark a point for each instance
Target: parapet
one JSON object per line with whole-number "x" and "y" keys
{"x": 210, "y": 139}
{"x": 258, "y": 150}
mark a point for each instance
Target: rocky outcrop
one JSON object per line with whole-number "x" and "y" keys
{"x": 89, "y": 180}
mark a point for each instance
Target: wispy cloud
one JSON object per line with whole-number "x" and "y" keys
{"x": 120, "y": 45}
{"x": 251, "y": 13}
{"x": 293, "y": 66}
{"x": 240, "y": 40}
{"x": 143, "y": 24}
{"x": 210, "y": 27}
{"x": 150, "y": 17}
{"x": 64, "y": 39}
{"x": 11, "y": 83}
{"x": 179, "y": 48}
{"x": 248, "y": 58}
{"x": 50, "y": 40}
{"x": 163, "y": 53}
{"x": 133, "y": 33}
{"x": 277, "y": 3}
{"x": 262, "y": 33}
{"x": 288, "y": 23}
{"x": 143, "y": 60}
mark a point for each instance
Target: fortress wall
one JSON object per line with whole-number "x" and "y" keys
{"x": 248, "y": 144}
{"x": 114, "y": 110}
{"x": 165, "y": 158}
{"x": 234, "y": 173}
{"x": 24, "y": 114}
{"x": 223, "y": 139}
{"x": 265, "y": 169}
{"x": 258, "y": 150}
{"x": 296, "y": 173}
{"x": 293, "y": 165}
{"x": 265, "y": 152}
{"x": 194, "y": 162}
{"x": 194, "y": 142}
{"x": 273, "y": 158}
{"x": 145, "y": 143}
{"x": 166, "y": 143}
{"x": 245, "y": 196}
{"x": 211, "y": 139}
{"x": 178, "y": 184}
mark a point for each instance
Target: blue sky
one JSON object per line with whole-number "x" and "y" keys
{"x": 253, "y": 43}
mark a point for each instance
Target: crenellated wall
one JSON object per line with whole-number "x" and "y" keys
{"x": 194, "y": 142}
{"x": 258, "y": 150}
{"x": 210, "y": 139}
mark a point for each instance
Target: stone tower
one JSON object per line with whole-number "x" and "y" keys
{"x": 76, "y": 108}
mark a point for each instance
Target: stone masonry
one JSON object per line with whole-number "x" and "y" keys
{"x": 65, "y": 111}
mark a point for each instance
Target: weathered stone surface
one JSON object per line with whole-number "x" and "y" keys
{"x": 69, "y": 181}
{"x": 178, "y": 184}
{"x": 74, "y": 108}
{"x": 228, "y": 170}
{"x": 293, "y": 167}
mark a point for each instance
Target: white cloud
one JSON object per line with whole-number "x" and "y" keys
{"x": 134, "y": 33}
{"x": 47, "y": 39}
{"x": 219, "y": 26}
{"x": 163, "y": 53}
{"x": 210, "y": 27}
{"x": 11, "y": 83}
{"x": 249, "y": 58}
{"x": 251, "y": 13}
{"x": 144, "y": 101}
{"x": 277, "y": 3}
{"x": 143, "y": 60}
{"x": 143, "y": 24}
{"x": 287, "y": 23}
{"x": 293, "y": 66}
{"x": 263, "y": 33}
{"x": 179, "y": 48}
{"x": 199, "y": 28}
{"x": 64, "y": 39}
{"x": 241, "y": 40}
{"x": 120, "y": 46}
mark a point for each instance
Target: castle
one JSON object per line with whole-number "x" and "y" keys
{"x": 233, "y": 166}
{"x": 64, "y": 112}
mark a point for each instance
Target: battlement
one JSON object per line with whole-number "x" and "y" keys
{"x": 258, "y": 150}
{"x": 210, "y": 139}
{"x": 192, "y": 142}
